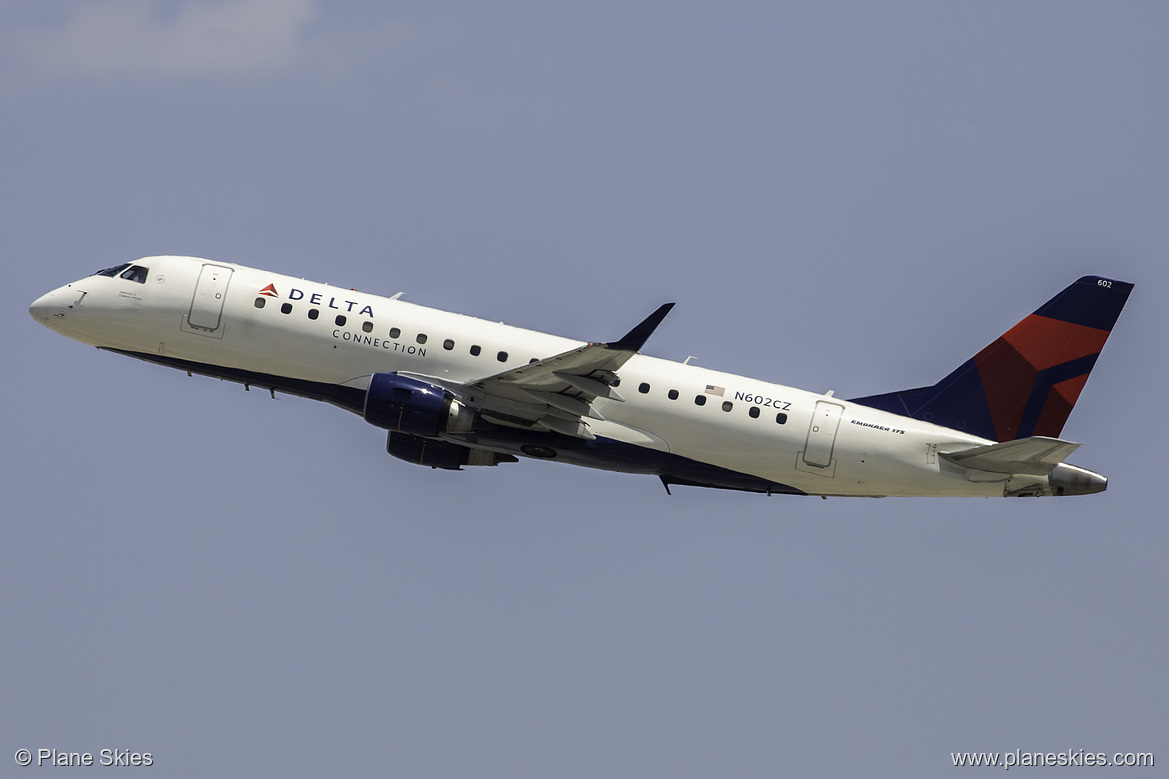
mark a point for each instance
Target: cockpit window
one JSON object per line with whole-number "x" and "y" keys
{"x": 136, "y": 273}
{"x": 114, "y": 271}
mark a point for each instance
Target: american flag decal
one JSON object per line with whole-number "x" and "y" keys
{"x": 713, "y": 390}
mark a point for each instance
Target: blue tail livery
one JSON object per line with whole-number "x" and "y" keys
{"x": 1026, "y": 382}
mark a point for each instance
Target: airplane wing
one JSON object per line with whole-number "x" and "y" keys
{"x": 557, "y": 393}
{"x": 1036, "y": 456}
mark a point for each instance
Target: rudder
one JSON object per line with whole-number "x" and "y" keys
{"x": 1027, "y": 381}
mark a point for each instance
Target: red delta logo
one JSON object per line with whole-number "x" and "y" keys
{"x": 317, "y": 299}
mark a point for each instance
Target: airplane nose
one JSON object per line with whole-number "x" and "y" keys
{"x": 52, "y": 307}
{"x": 41, "y": 308}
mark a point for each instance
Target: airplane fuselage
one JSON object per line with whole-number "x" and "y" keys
{"x": 685, "y": 423}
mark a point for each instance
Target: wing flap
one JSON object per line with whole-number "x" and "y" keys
{"x": 590, "y": 386}
{"x": 572, "y": 405}
{"x": 559, "y": 425}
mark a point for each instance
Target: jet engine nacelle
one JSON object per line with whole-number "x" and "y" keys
{"x": 411, "y": 406}
{"x": 426, "y": 451}
{"x": 440, "y": 454}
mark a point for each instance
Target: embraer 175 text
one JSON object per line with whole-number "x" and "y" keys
{"x": 457, "y": 391}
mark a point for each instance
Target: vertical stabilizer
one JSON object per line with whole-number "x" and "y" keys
{"x": 1026, "y": 382}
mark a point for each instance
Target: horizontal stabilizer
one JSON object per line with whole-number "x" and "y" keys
{"x": 1036, "y": 456}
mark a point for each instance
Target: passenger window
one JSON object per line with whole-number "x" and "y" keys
{"x": 754, "y": 412}
{"x": 643, "y": 388}
{"x": 340, "y": 320}
{"x": 475, "y": 350}
{"x": 502, "y": 356}
{"x": 260, "y": 302}
{"x": 286, "y": 308}
{"x": 700, "y": 400}
{"x": 727, "y": 405}
{"x": 421, "y": 338}
{"x": 395, "y": 332}
{"x": 448, "y": 344}
{"x": 672, "y": 394}
{"x": 781, "y": 418}
{"x": 313, "y": 313}
{"x": 367, "y": 326}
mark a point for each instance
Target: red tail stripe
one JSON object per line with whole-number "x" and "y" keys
{"x": 1007, "y": 378}
{"x": 1045, "y": 342}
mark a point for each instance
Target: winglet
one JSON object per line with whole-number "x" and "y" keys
{"x": 636, "y": 338}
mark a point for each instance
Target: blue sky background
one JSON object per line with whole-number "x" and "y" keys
{"x": 838, "y": 196}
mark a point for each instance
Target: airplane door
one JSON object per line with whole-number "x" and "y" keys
{"x": 210, "y": 290}
{"x": 822, "y": 434}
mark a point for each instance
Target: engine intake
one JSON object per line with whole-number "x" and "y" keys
{"x": 410, "y": 406}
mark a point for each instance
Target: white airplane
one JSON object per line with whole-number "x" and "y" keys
{"x": 456, "y": 391}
